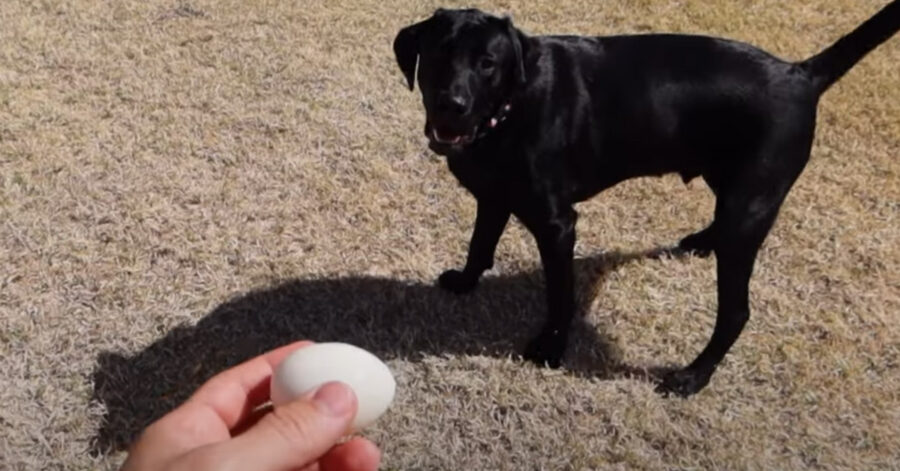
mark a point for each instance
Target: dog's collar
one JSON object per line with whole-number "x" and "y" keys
{"x": 499, "y": 117}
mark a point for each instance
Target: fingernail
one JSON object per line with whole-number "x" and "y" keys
{"x": 334, "y": 398}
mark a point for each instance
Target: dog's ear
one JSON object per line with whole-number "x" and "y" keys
{"x": 406, "y": 49}
{"x": 516, "y": 38}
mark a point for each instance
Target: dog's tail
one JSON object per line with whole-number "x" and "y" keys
{"x": 831, "y": 64}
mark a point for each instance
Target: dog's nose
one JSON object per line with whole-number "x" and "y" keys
{"x": 453, "y": 103}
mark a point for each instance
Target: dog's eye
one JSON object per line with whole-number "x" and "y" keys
{"x": 487, "y": 65}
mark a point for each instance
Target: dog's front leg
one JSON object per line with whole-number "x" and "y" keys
{"x": 556, "y": 243}
{"x": 489, "y": 224}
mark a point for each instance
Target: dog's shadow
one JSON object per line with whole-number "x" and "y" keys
{"x": 391, "y": 318}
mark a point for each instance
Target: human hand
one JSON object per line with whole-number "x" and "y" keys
{"x": 219, "y": 428}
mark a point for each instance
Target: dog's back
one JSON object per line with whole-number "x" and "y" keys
{"x": 661, "y": 103}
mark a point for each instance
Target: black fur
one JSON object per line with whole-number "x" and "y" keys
{"x": 589, "y": 112}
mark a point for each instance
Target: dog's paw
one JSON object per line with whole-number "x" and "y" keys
{"x": 457, "y": 282}
{"x": 547, "y": 349}
{"x": 683, "y": 383}
{"x": 699, "y": 244}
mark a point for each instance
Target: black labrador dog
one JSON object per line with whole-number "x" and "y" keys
{"x": 531, "y": 125}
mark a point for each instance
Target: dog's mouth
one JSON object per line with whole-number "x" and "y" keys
{"x": 446, "y": 137}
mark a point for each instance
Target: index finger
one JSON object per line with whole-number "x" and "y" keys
{"x": 234, "y": 393}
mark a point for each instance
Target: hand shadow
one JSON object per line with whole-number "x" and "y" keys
{"x": 390, "y": 318}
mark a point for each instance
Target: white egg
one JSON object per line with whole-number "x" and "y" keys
{"x": 310, "y": 367}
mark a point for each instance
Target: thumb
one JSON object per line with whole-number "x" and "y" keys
{"x": 294, "y": 434}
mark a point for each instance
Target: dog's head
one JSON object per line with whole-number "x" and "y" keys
{"x": 469, "y": 63}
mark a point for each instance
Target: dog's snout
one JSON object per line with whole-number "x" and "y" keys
{"x": 454, "y": 103}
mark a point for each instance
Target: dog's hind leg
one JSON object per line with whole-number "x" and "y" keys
{"x": 699, "y": 243}
{"x": 737, "y": 240}
{"x": 745, "y": 212}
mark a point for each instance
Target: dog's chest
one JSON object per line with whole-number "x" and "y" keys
{"x": 482, "y": 177}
